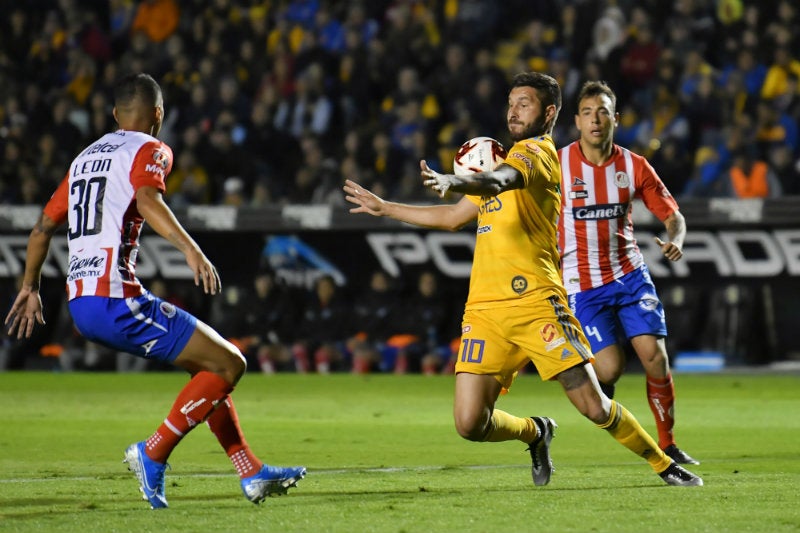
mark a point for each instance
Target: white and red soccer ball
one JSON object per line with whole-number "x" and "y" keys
{"x": 478, "y": 155}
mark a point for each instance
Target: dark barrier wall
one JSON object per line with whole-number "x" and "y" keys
{"x": 737, "y": 290}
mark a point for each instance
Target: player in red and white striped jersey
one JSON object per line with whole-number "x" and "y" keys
{"x": 110, "y": 189}
{"x": 603, "y": 269}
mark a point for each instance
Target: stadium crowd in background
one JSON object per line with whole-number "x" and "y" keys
{"x": 276, "y": 102}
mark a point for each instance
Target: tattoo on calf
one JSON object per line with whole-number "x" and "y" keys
{"x": 573, "y": 378}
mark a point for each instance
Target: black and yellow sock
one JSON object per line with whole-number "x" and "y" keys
{"x": 504, "y": 426}
{"x": 624, "y": 427}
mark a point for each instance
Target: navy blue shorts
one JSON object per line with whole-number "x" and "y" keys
{"x": 631, "y": 301}
{"x": 145, "y": 325}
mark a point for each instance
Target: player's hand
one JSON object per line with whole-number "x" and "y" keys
{"x": 205, "y": 273}
{"x": 440, "y": 183}
{"x": 366, "y": 201}
{"x": 25, "y": 313}
{"x": 670, "y": 250}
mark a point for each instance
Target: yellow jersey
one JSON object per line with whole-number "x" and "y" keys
{"x": 516, "y": 248}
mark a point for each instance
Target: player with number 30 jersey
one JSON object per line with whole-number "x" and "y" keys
{"x": 110, "y": 189}
{"x": 97, "y": 197}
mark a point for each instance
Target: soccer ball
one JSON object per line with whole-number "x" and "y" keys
{"x": 478, "y": 155}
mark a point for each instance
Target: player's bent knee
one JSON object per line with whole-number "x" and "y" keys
{"x": 471, "y": 429}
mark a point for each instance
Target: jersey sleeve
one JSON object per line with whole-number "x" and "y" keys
{"x": 56, "y": 208}
{"x": 151, "y": 166}
{"x": 654, "y": 193}
{"x": 530, "y": 159}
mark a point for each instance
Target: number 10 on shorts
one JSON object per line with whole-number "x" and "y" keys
{"x": 472, "y": 350}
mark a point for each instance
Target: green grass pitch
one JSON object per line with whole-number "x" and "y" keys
{"x": 382, "y": 456}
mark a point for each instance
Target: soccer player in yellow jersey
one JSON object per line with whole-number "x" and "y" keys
{"x": 517, "y": 308}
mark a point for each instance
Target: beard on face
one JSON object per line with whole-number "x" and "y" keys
{"x": 535, "y": 129}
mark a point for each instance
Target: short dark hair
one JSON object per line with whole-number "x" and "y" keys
{"x": 546, "y": 87}
{"x": 133, "y": 86}
{"x": 591, "y": 89}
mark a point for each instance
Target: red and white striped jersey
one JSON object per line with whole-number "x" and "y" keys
{"x": 595, "y": 230}
{"x": 98, "y": 199}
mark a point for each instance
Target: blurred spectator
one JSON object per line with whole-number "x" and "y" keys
{"x": 188, "y": 183}
{"x": 373, "y": 313}
{"x": 10, "y": 192}
{"x": 323, "y": 330}
{"x": 774, "y": 128}
{"x": 267, "y": 332}
{"x": 608, "y": 38}
{"x": 750, "y": 68}
{"x": 537, "y": 47}
{"x": 419, "y": 341}
{"x": 750, "y": 177}
{"x": 638, "y": 65}
{"x": 385, "y": 159}
{"x": 776, "y": 82}
{"x": 310, "y": 111}
{"x": 786, "y": 168}
{"x": 157, "y": 19}
{"x": 705, "y": 112}
{"x": 673, "y": 165}
{"x": 233, "y": 192}
{"x": 666, "y": 123}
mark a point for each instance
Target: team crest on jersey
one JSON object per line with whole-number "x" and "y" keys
{"x": 167, "y": 309}
{"x": 533, "y": 148}
{"x": 519, "y": 284}
{"x": 648, "y": 302}
{"x": 161, "y": 158}
{"x": 622, "y": 180}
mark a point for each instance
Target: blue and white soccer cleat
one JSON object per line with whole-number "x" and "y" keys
{"x": 149, "y": 473}
{"x": 271, "y": 481}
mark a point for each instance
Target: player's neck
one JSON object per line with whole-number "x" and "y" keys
{"x": 596, "y": 154}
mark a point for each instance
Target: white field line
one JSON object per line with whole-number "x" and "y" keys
{"x": 322, "y": 471}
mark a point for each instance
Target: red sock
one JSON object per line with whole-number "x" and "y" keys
{"x": 192, "y": 406}
{"x": 224, "y": 424}
{"x": 661, "y": 397}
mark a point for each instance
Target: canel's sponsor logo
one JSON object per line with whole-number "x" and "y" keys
{"x": 600, "y": 211}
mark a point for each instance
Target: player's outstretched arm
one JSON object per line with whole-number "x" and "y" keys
{"x": 26, "y": 311}
{"x": 449, "y": 217}
{"x": 152, "y": 207}
{"x": 488, "y": 183}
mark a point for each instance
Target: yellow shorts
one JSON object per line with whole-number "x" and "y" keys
{"x": 499, "y": 342}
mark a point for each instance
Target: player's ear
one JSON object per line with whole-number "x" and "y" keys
{"x": 114, "y": 113}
